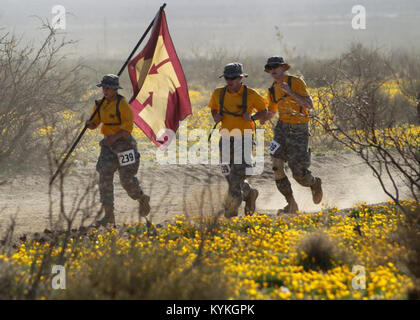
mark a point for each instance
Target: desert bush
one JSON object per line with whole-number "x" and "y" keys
{"x": 409, "y": 236}
{"x": 406, "y": 69}
{"x": 35, "y": 82}
{"x": 145, "y": 274}
{"x": 361, "y": 111}
{"x": 356, "y": 112}
{"x": 8, "y": 287}
{"x": 359, "y": 83}
{"x": 317, "y": 252}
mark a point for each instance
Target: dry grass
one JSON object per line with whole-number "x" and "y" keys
{"x": 140, "y": 274}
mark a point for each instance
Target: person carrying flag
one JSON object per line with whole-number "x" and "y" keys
{"x": 289, "y": 97}
{"x": 118, "y": 149}
{"x": 232, "y": 105}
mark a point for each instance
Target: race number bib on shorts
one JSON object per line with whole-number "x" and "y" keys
{"x": 273, "y": 147}
{"x": 127, "y": 157}
{"x": 225, "y": 169}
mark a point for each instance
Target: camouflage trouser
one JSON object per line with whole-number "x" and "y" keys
{"x": 292, "y": 147}
{"x": 235, "y": 173}
{"x": 107, "y": 165}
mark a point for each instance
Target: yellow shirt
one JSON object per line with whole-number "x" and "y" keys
{"x": 288, "y": 109}
{"x": 233, "y": 103}
{"x": 108, "y": 117}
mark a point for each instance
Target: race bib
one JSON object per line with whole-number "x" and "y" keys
{"x": 225, "y": 169}
{"x": 272, "y": 148}
{"x": 127, "y": 157}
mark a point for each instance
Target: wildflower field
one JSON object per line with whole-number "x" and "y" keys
{"x": 303, "y": 256}
{"x": 331, "y": 254}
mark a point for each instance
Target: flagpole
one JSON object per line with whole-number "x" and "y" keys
{"x": 60, "y": 167}
{"x": 141, "y": 40}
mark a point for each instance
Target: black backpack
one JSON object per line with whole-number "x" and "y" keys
{"x": 273, "y": 93}
{"x": 244, "y": 102}
{"x": 119, "y": 98}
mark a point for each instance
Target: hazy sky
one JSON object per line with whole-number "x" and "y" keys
{"x": 316, "y": 27}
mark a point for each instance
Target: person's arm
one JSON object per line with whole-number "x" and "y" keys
{"x": 260, "y": 115}
{"x": 304, "y": 101}
{"x": 217, "y": 117}
{"x": 215, "y": 108}
{"x": 269, "y": 115}
{"x": 109, "y": 140}
{"x": 260, "y": 104}
{"x": 94, "y": 123}
{"x": 91, "y": 125}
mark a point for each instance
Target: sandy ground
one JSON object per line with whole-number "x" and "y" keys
{"x": 175, "y": 189}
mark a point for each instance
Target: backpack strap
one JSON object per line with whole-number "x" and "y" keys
{"x": 222, "y": 99}
{"x": 289, "y": 81}
{"x": 98, "y": 105}
{"x": 117, "y": 112}
{"x": 273, "y": 93}
{"x": 244, "y": 102}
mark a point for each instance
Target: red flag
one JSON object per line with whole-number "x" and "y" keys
{"x": 160, "y": 93}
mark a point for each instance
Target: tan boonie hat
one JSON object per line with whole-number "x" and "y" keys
{"x": 111, "y": 81}
{"x": 233, "y": 70}
{"x": 274, "y": 62}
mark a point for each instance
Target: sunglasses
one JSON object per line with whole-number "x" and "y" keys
{"x": 231, "y": 78}
{"x": 272, "y": 67}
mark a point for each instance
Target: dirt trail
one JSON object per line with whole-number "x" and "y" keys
{"x": 346, "y": 181}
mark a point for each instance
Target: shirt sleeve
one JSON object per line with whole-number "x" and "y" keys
{"x": 127, "y": 116}
{"x": 258, "y": 102}
{"x": 299, "y": 87}
{"x": 214, "y": 104}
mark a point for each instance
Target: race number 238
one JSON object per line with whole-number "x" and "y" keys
{"x": 127, "y": 157}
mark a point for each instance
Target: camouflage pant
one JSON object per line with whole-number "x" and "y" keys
{"x": 235, "y": 173}
{"x": 107, "y": 165}
{"x": 293, "y": 148}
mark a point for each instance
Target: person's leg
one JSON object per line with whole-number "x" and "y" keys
{"x": 106, "y": 166}
{"x": 234, "y": 175}
{"x": 284, "y": 186}
{"x": 235, "y": 195}
{"x": 278, "y": 156}
{"x": 300, "y": 161}
{"x": 129, "y": 180}
{"x": 249, "y": 194}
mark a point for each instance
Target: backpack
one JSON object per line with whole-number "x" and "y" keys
{"x": 119, "y": 98}
{"x": 244, "y": 102}
{"x": 273, "y": 92}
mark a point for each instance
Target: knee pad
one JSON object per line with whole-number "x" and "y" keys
{"x": 246, "y": 188}
{"x": 278, "y": 168}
